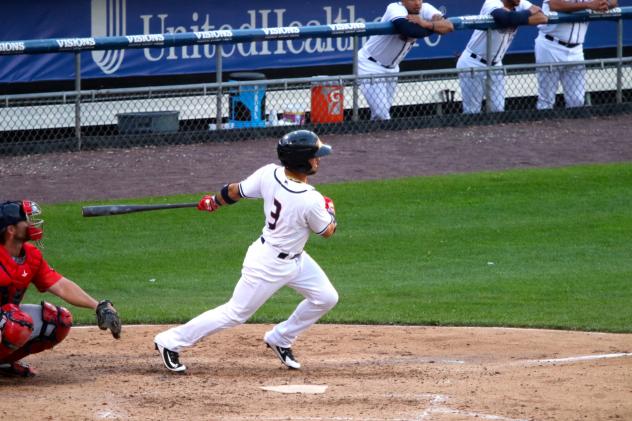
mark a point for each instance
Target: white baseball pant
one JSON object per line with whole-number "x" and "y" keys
{"x": 573, "y": 78}
{"x": 263, "y": 273}
{"x": 378, "y": 92}
{"x": 473, "y": 85}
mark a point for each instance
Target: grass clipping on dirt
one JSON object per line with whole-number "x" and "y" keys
{"x": 531, "y": 248}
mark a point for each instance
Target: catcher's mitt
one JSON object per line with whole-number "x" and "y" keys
{"x": 107, "y": 318}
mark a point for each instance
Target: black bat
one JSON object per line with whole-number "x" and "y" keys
{"x": 107, "y": 210}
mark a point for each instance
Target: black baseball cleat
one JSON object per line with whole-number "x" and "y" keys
{"x": 16, "y": 369}
{"x": 285, "y": 355}
{"x": 171, "y": 359}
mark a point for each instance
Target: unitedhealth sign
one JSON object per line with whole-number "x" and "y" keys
{"x": 144, "y": 23}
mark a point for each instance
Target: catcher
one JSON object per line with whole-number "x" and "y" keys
{"x": 30, "y": 328}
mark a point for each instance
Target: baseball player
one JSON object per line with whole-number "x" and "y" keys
{"x": 31, "y": 328}
{"x": 507, "y": 14}
{"x": 561, "y": 43}
{"x": 382, "y": 54}
{"x": 292, "y": 209}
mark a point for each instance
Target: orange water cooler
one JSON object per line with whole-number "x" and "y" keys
{"x": 327, "y": 101}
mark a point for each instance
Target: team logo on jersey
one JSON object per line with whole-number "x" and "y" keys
{"x": 109, "y": 20}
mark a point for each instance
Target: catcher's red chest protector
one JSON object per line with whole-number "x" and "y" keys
{"x": 15, "y": 278}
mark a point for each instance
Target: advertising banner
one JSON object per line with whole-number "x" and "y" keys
{"x": 99, "y": 18}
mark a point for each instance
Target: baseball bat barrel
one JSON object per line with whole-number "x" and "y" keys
{"x": 107, "y": 210}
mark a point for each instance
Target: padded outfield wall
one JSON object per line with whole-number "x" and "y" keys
{"x": 86, "y": 18}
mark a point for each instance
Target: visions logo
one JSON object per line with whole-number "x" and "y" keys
{"x": 109, "y": 19}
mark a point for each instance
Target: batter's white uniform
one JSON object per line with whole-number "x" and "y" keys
{"x": 475, "y": 56}
{"x": 560, "y": 43}
{"x": 292, "y": 210}
{"x": 381, "y": 55}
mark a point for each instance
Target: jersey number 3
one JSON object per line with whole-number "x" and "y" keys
{"x": 275, "y": 215}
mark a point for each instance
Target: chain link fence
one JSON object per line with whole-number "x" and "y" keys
{"x": 254, "y": 107}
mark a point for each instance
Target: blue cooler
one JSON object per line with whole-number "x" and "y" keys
{"x": 247, "y": 103}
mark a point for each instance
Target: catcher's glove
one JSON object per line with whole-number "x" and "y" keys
{"x": 107, "y": 318}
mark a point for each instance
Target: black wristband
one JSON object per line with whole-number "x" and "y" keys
{"x": 226, "y": 197}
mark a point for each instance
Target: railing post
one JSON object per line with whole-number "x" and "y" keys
{"x": 218, "y": 79}
{"x": 488, "y": 78}
{"x": 78, "y": 99}
{"x": 620, "y": 58}
{"x": 355, "y": 115}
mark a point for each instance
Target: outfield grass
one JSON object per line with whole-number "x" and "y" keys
{"x": 536, "y": 248}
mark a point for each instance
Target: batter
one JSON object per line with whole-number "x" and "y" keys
{"x": 293, "y": 209}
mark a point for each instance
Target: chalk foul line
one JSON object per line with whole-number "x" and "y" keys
{"x": 570, "y": 360}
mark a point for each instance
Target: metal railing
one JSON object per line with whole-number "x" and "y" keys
{"x": 81, "y": 119}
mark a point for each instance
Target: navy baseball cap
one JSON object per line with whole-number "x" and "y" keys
{"x": 11, "y": 213}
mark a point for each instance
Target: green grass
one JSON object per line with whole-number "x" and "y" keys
{"x": 535, "y": 248}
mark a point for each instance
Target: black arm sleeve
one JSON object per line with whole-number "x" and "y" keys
{"x": 506, "y": 19}
{"x": 411, "y": 30}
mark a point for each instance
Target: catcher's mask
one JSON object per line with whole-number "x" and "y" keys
{"x": 296, "y": 148}
{"x": 13, "y": 212}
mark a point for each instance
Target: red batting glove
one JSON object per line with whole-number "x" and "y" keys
{"x": 207, "y": 203}
{"x": 329, "y": 205}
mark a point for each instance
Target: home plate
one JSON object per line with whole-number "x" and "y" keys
{"x": 297, "y": 388}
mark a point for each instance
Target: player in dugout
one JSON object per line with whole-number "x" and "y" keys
{"x": 413, "y": 19}
{"x": 27, "y": 329}
{"x": 564, "y": 43}
{"x": 508, "y": 15}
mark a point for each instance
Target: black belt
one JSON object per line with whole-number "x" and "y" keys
{"x": 282, "y": 255}
{"x": 481, "y": 59}
{"x": 375, "y": 61}
{"x": 565, "y": 44}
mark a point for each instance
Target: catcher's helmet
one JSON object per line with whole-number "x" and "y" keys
{"x": 296, "y": 148}
{"x": 15, "y": 211}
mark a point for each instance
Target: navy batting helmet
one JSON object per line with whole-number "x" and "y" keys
{"x": 296, "y": 148}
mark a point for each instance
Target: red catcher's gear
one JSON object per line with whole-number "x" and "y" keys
{"x": 16, "y": 331}
{"x": 15, "y": 278}
{"x": 56, "y": 323}
{"x": 35, "y": 229}
{"x": 61, "y": 320}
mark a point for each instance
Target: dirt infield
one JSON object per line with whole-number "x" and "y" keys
{"x": 371, "y": 372}
{"x": 140, "y": 172}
